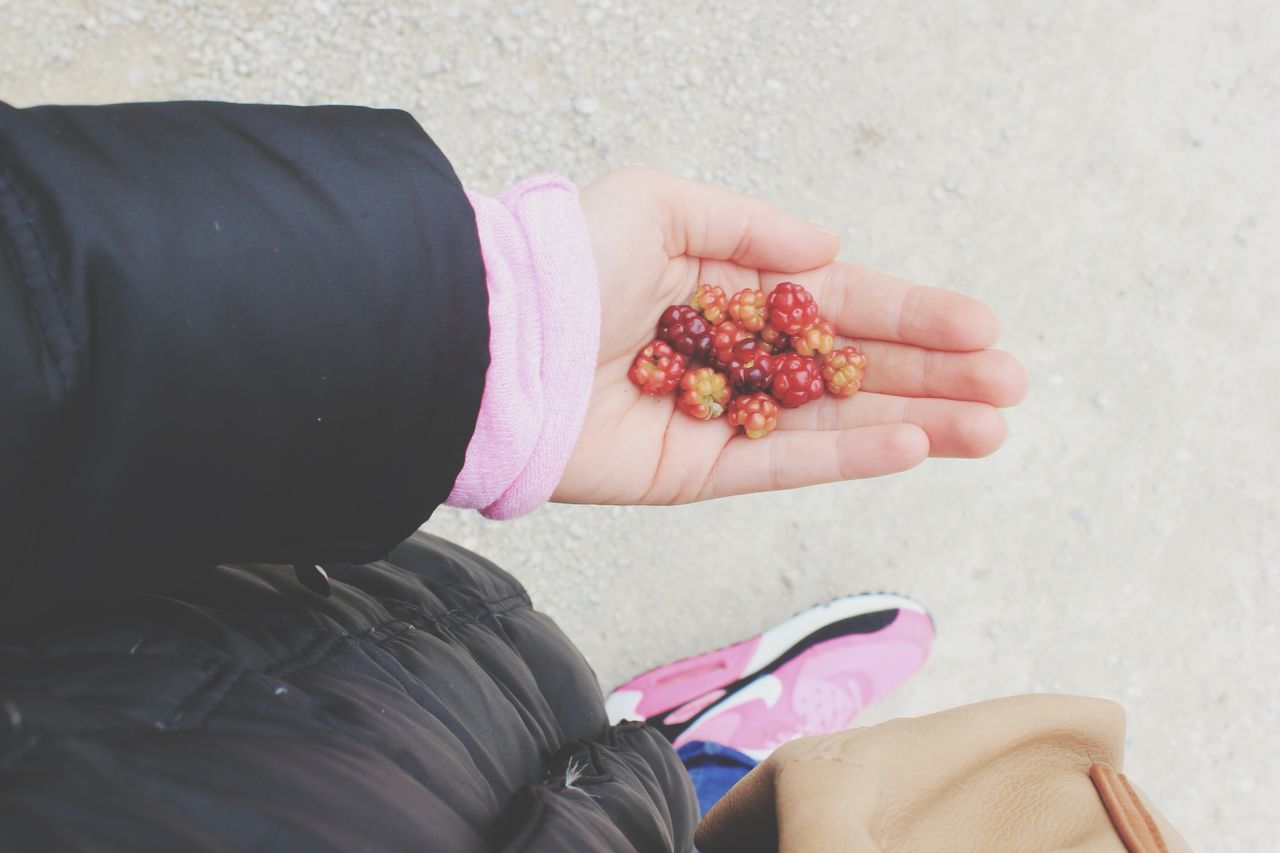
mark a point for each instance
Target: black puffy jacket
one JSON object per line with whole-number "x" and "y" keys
{"x": 237, "y": 342}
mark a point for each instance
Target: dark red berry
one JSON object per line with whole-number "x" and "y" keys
{"x": 657, "y": 369}
{"x": 791, "y": 308}
{"x": 750, "y": 366}
{"x": 797, "y": 379}
{"x": 686, "y": 330}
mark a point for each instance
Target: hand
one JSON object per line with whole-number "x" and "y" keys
{"x": 931, "y": 386}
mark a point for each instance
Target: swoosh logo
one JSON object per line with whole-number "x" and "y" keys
{"x": 766, "y": 688}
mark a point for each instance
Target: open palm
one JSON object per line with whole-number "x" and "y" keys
{"x": 931, "y": 386}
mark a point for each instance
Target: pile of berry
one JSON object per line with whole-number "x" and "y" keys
{"x": 746, "y": 355}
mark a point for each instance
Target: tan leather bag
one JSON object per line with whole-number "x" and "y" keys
{"x": 1026, "y": 773}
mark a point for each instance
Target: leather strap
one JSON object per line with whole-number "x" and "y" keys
{"x": 1133, "y": 823}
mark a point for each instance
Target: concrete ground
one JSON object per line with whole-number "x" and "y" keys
{"x": 1105, "y": 175}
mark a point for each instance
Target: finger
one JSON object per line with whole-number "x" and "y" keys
{"x": 955, "y": 428}
{"x": 985, "y": 376}
{"x": 795, "y": 458}
{"x": 863, "y": 303}
{"x": 710, "y": 222}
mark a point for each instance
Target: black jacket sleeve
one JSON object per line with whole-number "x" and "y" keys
{"x": 227, "y": 333}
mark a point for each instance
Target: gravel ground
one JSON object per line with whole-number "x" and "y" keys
{"x": 1106, "y": 175}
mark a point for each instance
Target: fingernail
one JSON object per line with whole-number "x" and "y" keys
{"x": 826, "y": 230}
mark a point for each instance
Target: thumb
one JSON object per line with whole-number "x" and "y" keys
{"x": 710, "y": 222}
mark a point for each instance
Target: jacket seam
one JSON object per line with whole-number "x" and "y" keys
{"x": 216, "y": 684}
{"x": 35, "y": 274}
{"x": 469, "y": 613}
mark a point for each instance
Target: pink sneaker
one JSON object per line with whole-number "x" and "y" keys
{"x": 812, "y": 674}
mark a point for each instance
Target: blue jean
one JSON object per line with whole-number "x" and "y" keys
{"x": 714, "y": 769}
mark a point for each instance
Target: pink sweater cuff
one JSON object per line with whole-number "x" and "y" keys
{"x": 544, "y": 335}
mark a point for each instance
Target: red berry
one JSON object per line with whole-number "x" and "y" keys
{"x": 791, "y": 308}
{"x": 757, "y": 414}
{"x": 711, "y": 301}
{"x": 704, "y": 393}
{"x": 686, "y": 330}
{"x": 747, "y": 309}
{"x": 843, "y": 370}
{"x": 818, "y": 339}
{"x": 723, "y": 339}
{"x": 750, "y": 366}
{"x": 657, "y": 369}
{"x": 779, "y": 342}
{"x": 796, "y": 381}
